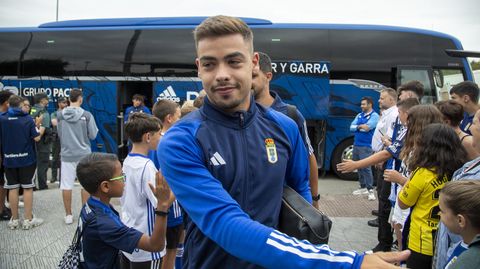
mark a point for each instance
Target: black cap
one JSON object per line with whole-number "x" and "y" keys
{"x": 61, "y": 99}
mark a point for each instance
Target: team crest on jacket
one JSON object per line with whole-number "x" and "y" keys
{"x": 271, "y": 150}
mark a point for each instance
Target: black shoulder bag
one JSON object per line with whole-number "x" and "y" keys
{"x": 299, "y": 219}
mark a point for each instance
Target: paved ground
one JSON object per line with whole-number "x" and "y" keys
{"x": 42, "y": 247}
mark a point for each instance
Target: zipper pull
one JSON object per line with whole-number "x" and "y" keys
{"x": 242, "y": 119}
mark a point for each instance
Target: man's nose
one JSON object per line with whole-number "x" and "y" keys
{"x": 223, "y": 73}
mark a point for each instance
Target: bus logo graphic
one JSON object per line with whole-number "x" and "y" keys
{"x": 168, "y": 94}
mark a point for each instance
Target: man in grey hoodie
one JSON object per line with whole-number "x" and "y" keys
{"x": 76, "y": 127}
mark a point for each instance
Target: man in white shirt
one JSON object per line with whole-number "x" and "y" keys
{"x": 387, "y": 102}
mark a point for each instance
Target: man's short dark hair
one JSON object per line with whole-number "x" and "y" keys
{"x": 452, "y": 111}
{"x": 408, "y": 103}
{"x": 264, "y": 62}
{"x": 4, "y": 95}
{"x": 466, "y": 88}
{"x": 138, "y": 97}
{"x": 162, "y": 108}
{"x": 139, "y": 124}
{"x": 368, "y": 99}
{"x": 95, "y": 168}
{"x": 221, "y": 25}
{"x": 75, "y": 94}
{"x": 413, "y": 86}
{"x": 15, "y": 101}
{"x": 39, "y": 97}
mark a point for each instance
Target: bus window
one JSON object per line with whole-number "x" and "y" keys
{"x": 422, "y": 74}
{"x": 445, "y": 80}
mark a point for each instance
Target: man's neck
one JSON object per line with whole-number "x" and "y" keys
{"x": 75, "y": 104}
{"x": 471, "y": 109}
{"x": 140, "y": 148}
{"x": 367, "y": 112}
{"x": 265, "y": 99}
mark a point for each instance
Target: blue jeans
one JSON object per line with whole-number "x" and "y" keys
{"x": 365, "y": 176}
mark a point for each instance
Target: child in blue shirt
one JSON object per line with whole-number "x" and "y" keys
{"x": 104, "y": 234}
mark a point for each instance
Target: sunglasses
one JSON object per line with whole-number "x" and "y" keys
{"x": 122, "y": 178}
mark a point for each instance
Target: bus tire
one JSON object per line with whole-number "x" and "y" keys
{"x": 343, "y": 151}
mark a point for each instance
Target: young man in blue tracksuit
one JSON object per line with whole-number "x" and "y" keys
{"x": 227, "y": 164}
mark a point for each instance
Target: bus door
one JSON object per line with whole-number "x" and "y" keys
{"x": 424, "y": 74}
{"x": 97, "y": 98}
{"x": 307, "y": 86}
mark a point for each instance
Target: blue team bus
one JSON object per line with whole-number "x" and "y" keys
{"x": 322, "y": 69}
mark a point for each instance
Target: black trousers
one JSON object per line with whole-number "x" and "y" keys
{"x": 419, "y": 261}
{"x": 55, "y": 160}
{"x": 385, "y": 233}
{"x": 42, "y": 167}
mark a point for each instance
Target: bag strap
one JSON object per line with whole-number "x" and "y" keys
{"x": 292, "y": 112}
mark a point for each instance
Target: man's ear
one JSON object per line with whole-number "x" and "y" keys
{"x": 466, "y": 98}
{"x": 255, "y": 60}
{"x": 269, "y": 76}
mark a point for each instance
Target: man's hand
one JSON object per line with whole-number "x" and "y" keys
{"x": 38, "y": 120}
{"x": 364, "y": 127}
{"x": 391, "y": 175}
{"x": 162, "y": 192}
{"x": 384, "y": 260}
{"x": 347, "y": 166}
{"x": 386, "y": 141}
{"x": 315, "y": 204}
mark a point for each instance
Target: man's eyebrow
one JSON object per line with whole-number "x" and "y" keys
{"x": 234, "y": 54}
{"x": 207, "y": 58}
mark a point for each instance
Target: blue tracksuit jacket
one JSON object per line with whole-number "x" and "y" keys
{"x": 228, "y": 172}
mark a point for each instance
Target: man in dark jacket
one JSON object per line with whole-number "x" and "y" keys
{"x": 43, "y": 146}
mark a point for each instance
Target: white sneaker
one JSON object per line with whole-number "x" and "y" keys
{"x": 34, "y": 222}
{"x": 360, "y": 191}
{"x": 13, "y": 223}
{"x": 371, "y": 195}
{"x": 20, "y": 204}
{"x": 68, "y": 219}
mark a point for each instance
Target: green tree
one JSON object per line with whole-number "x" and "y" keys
{"x": 475, "y": 64}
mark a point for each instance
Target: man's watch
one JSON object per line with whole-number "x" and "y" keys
{"x": 161, "y": 213}
{"x": 316, "y": 197}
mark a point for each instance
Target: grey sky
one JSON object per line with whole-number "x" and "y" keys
{"x": 459, "y": 18}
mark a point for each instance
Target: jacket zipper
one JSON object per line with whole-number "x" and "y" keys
{"x": 245, "y": 157}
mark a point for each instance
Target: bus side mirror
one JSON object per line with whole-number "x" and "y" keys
{"x": 438, "y": 77}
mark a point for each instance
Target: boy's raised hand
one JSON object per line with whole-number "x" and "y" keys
{"x": 162, "y": 192}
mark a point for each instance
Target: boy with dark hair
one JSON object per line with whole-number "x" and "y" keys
{"x": 103, "y": 234}
{"x": 5, "y": 213}
{"x": 138, "y": 200}
{"x": 466, "y": 93}
{"x": 18, "y": 134}
{"x": 411, "y": 89}
{"x": 43, "y": 146}
{"x": 138, "y": 102}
